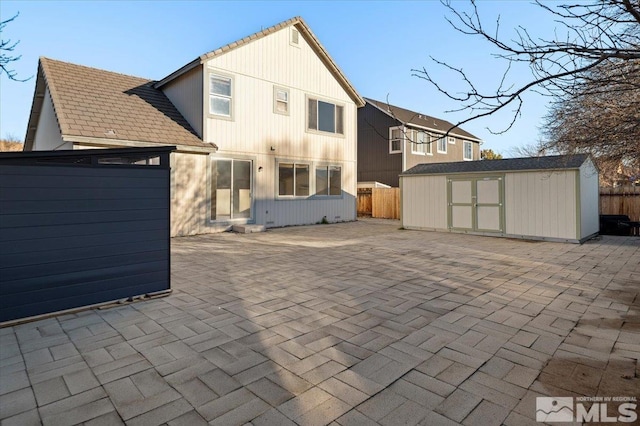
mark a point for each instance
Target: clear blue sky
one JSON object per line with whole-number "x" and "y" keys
{"x": 375, "y": 43}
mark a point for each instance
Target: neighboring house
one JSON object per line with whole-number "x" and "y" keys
{"x": 265, "y": 128}
{"x": 393, "y": 139}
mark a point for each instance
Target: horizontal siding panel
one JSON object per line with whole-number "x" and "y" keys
{"x": 76, "y": 254}
{"x": 35, "y": 232}
{"x": 49, "y": 269}
{"x": 65, "y": 291}
{"x": 98, "y": 296}
{"x": 93, "y": 182}
{"x": 61, "y": 206}
{"x": 37, "y": 245}
{"x": 90, "y": 277}
{"x": 72, "y": 218}
{"x": 62, "y": 170}
{"x": 46, "y": 194}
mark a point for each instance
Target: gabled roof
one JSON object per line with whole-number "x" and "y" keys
{"x": 552, "y": 162}
{"x": 93, "y": 103}
{"x": 409, "y": 118}
{"x": 304, "y": 30}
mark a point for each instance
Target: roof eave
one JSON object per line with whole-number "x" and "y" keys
{"x": 36, "y": 108}
{"x": 180, "y": 71}
{"x": 89, "y": 140}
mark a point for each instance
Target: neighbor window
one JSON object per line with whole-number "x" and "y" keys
{"x": 468, "y": 150}
{"x": 395, "y": 140}
{"x": 280, "y": 100}
{"x": 220, "y": 97}
{"x": 452, "y": 140}
{"x": 420, "y": 143}
{"x": 325, "y": 117}
{"x": 328, "y": 180}
{"x": 442, "y": 145}
{"x": 293, "y": 180}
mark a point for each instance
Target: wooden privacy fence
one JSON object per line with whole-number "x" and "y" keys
{"x": 621, "y": 200}
{"x": 381, "y": 203}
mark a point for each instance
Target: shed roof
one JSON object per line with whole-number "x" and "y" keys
{"x": 552, "y": 162}
{"x": 95, "y": 103}
{"x": 408, "y": 117}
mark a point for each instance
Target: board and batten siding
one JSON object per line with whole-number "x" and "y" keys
{"x": 541, "y": 204}
{"x": 186, "y": 92}
{"x": 74, "y": 236}
{"x": 424, "y": 202}
{"x": 375, "y": 164}
{"x": 48, "y": 137}
{"x": 257, "y": 133}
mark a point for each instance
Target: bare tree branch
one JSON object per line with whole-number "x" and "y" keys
{"x": 591, "y": 33}
{"x": 7, "y": 47}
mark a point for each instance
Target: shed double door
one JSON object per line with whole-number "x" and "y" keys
{"x": 476, "y": 204}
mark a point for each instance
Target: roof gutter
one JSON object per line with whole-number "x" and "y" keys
{"x": 103, "y": 142}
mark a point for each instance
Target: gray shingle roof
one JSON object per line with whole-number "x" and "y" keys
{"x": 552, "y": 162}
{"x": 416, "y": 118}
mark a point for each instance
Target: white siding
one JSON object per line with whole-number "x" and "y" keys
{"x": 256, "y": 131}
{"x": 541, "y": 204}
{"x": 589, "y": 200}
{"x": 185, "y": 93}
{"x": 48, "y": 137}
{"x": 424, "y": 202}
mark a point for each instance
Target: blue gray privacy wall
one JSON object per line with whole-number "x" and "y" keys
{"x": 82, "y": 227}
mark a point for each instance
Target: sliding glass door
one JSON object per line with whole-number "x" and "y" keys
{"x": 231, "y": 193}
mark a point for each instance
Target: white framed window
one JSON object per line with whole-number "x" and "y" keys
{"x": 442, "y": 145}
{"x": 280, "y": 100}
{"x": 419, "y": 145}
{"x": 293, "y": 179}
{"x": 395, "y": 140}
{"x": 325, "y": 116}
{"x": 220, "y": 95}
{"x": 328, "y": 180}
{"x": 467, "y": 153}
{"x": 428, "y": 141}
{"x": 452, "y": 140}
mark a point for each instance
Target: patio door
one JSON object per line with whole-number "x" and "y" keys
{"x": 231, "y": 189}
{"x": 476, "y": 204}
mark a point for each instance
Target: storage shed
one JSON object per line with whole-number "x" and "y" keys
{"x": 548, "y": 198}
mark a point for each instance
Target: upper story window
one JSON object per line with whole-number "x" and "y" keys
{"x": 420, "y": 143}
{"x": 280, "y": 100}
{"x": 220, "y": 95}
{"x": 452, "y": 140}
{"x": 442, "y": 145}
{"x": 467, "y": 150}
{"x": 395, "y": 140}
{"x": 325, "y": 117}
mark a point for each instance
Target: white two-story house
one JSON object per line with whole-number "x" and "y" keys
{"x": 265, "y": 128}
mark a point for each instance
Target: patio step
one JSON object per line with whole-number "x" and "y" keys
{"x": 247, "y": 229}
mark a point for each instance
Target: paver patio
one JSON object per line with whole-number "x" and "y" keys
{"x": 356, "y": 323}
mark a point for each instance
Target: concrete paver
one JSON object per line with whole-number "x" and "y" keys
{"x": 356, "y": 323}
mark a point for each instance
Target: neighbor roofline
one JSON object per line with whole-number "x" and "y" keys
{"x": 304, "y": 29}
{"x": 478, "y": 172}
{"x": 373, "y": 104}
